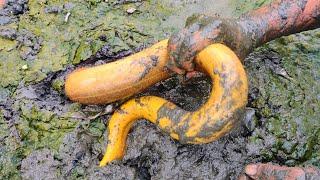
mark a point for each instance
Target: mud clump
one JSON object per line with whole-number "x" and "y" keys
{"x": 16, "y": 7}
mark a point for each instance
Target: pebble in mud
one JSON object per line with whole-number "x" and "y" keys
{"x": 131, "y": 10}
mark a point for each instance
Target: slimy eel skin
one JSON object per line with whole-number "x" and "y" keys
{"x": 214, "y": 119}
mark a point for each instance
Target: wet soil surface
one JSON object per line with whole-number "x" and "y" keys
{"x": 69, "y": 139}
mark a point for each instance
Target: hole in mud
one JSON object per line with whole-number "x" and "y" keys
{"x": 189, "y": 96}
{"x": 143, "y": 173}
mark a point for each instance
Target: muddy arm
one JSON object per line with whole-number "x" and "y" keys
{"x": 282, "y": 17}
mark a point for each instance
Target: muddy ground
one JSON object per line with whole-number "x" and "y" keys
{"x": 45, "y": 136}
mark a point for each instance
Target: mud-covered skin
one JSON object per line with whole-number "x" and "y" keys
{"x": 178, "y": 130}
{"x": 1, "y": 3}
{"x": 222, "y": 111}
{"x": 200, "y": 32}
{"x": 270, "y": 171}
{"x": 281, "y": 18}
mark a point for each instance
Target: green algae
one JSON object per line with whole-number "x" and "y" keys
{"x": 58, "y": 85}
{"x": 10, "y": 66}
{"x": 243, "y": 6}
{"x": 288, "y": 96}
{"x": 78, "y": 37}
{"x": 9, "y": 167}
{"x": 41, "y": 128}
{"x": 10, "y": 156}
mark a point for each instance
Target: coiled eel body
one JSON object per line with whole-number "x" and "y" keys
{"x": 215, "y": 118}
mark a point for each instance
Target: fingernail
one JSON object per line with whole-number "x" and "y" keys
{"x": 251, "y": 169}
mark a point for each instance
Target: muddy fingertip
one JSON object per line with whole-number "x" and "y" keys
{"x": 251, "y": 169}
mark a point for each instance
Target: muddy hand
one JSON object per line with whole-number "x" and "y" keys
{"x": 270, "y": 171}
{"x": 200, "y": 31}
{"x": 242, "y": 35}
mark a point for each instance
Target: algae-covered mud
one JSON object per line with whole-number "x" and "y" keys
{"x": 44, "y": 135}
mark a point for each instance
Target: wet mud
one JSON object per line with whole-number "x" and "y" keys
{"x": 42, "y": 129}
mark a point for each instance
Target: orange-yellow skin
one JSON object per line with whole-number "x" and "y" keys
{"x": 120, "y": 79}
{"x": 214, "y": 119}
